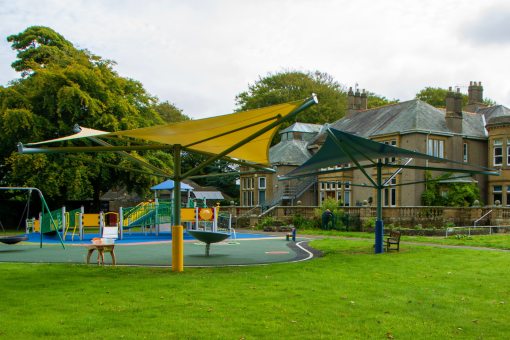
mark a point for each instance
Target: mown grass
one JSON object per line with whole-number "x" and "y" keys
{"x": 498, "y": 240}
{"x": 420, "y": 292}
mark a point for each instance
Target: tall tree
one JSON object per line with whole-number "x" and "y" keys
{"x": 287, "y": 86}
{"x": 170, "y": 113}
{"x": 436, "y": 97}
{"x": 61, "y": 86}
{"x": 374, "y": 100}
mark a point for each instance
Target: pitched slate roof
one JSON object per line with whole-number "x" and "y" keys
{"x": 289, "y": 152}
{"x": 473, "y": 125}
{"x": 494, "y": 111}
{"x": 209, "y": 195}
{"x": 410, "y": 116}
{"x": 302, "y": 127}
{"x": 416, "y": 116}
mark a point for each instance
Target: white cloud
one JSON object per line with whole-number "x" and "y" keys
{"x": 491, "y": 27}
{"x": 200, "y": 54}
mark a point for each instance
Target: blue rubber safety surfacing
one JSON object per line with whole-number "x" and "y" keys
{"x": 129, "y": 237}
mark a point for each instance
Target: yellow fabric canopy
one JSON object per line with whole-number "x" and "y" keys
{"x": 215, "y": 135}
{"x": 210, "y": 135}
{"x": 84, "y": 133}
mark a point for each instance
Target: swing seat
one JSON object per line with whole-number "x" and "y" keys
{"x": 13, "y": 239}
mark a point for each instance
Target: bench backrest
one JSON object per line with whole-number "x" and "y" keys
{"x": 395, "y": 234}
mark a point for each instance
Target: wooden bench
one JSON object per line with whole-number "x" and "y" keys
{"x": 394, "y": 239}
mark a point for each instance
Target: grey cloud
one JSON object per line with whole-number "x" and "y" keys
{"x": 492, "y": 27}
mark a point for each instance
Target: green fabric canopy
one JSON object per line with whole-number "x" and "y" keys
{"x": 341, "y": 148}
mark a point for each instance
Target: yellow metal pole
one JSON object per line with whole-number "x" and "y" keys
{"x": 177, "y": 248}
{"x": 177, "y": 230}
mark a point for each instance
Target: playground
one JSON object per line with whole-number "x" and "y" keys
{"x": 247, "y": 249}
{"x": 141, "y": 235}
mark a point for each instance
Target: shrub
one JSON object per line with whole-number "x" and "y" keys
{"x": 301, "y": 222}
{"x": 338, "y": 214}
{"x": 369, "y": 222}
{"x": 266, "y": 222}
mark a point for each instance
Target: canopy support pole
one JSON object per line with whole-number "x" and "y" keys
{"x": 177, "y": 232}
{"x": 379, "y": 225}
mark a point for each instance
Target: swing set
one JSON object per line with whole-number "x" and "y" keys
{"x": 52, "y": 225}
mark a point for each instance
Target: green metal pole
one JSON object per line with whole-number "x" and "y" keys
{"x": 177, "y": 185}
{"x": 41, "y": 224}
{"x": 43, "y": 206}
{"x": 52, "y": 222}
{"x": 67, "y": 149}
{"x": 379, "y": 226}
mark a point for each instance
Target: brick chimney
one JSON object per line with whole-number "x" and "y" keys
{"x": 356, "y": 101}
{"x": 364, "y": 100}
{"x": 350, "y": 101}
{"x": 475, "y": 96}
{"x": 454, "y": 110}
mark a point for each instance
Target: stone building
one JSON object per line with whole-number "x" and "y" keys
{"x": 473, "y": 134}
{"x": 264, "y": 189}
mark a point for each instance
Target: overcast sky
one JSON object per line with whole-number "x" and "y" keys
{"x": 200, "y": 54}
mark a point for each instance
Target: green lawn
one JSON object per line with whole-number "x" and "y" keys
{"x": 421, "y": 292}
{"x": 498, "y": 240}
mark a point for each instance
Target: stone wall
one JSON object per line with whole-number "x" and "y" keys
{"x": 407, "y": 217}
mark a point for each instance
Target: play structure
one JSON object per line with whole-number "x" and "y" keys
{"x": 148, "y": 218}
{"x": 46, "y": 216}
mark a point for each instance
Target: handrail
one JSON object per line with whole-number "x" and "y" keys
{"x": 481, "y": 218}
{"x": 248, "y": 213}
{"x": 474, "y": 225}
{"x": 268, "y": 210}
{"x": 478, "y": 220}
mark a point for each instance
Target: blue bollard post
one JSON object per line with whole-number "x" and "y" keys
{"x": 294, "y": 234}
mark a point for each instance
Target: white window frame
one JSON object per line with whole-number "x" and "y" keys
{"x": 390, "y": 194}
{"x": 262, "y": 179}
{"x": 499, "y": 191}
{"x": 392, "y": 142}
{"x": 465, "y": 152}
{"x": 497, "y": 146}
{"x": 347, "y": 198}
{"x": 507, "y": 153}
{"x": 435, "y": 148}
